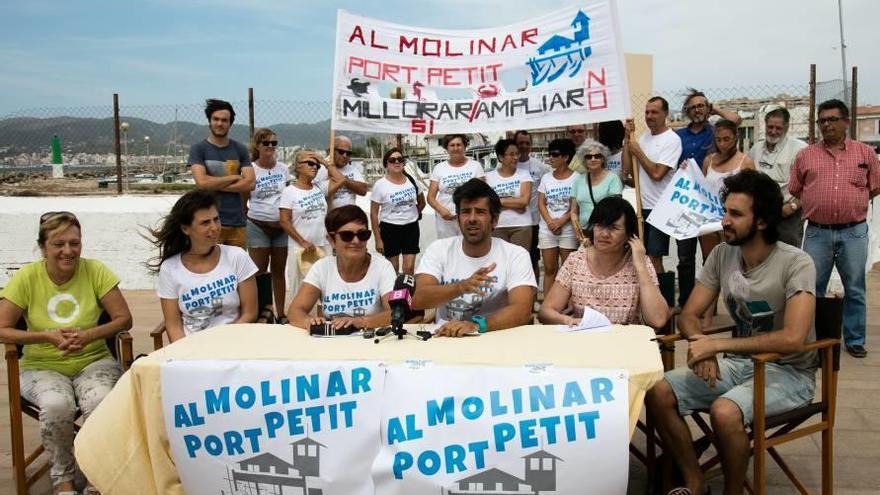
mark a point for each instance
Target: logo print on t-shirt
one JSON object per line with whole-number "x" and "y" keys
{"x": 63, "y": 308}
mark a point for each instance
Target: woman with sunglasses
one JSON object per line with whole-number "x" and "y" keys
{"x": 597, "y": 184}
{"x": 66, "y": 362}
{"x": 396, "y": 204}
{"x": 514, "y": 186}
{"x": 445, "y": 178}
{"x": 202, "y": 284}
{"x": 302, "y": 209}
{"x": 612, "y": 275}
{"x": 267, "y": 241}
{"x": 351, "y": 287}
{"x": 556, "y": 237}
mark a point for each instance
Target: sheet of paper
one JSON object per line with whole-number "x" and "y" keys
{"x": 592, "y": 321}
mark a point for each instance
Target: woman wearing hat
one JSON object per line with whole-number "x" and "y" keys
{"x": 202, "y": 284}
{"x": 351, "y": 287}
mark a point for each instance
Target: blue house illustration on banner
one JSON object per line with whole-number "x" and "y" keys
{"x": 540, "y": 477}
{"x": 557, "y": 43}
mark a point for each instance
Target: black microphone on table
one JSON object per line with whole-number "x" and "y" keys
{"x": 400, "y": 301}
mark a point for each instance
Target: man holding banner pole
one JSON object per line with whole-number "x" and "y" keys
{"x": 657, "y": 152}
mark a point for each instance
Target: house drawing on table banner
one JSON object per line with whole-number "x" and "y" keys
{"x": 540, "y": 477}
{"x": 267, "y": 474}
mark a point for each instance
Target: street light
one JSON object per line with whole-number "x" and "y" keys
{"x": 147, "y": 145}
{"x": 124, "y": 128}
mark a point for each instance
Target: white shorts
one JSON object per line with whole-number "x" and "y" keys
{"x": 549, "y": 241}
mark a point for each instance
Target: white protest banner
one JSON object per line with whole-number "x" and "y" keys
{"x": 457, "y": 430}
{"x": 240, "y": 427}
{"x": 565, "y": 67}
{"x": 688, "y": 207}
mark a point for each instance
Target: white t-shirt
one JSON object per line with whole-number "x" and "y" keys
{"x": 344, "y": 196}
{"x": 615, "y": 163}
{"x": 662, "y": 149}
{"x": 445, "y": 260}
{"x": 340, "y": 298}
{"x": 308, "y": 209}
{"x": 536, "y": 169}
{"x": 558, "y": 196}
{"x": 264, "y": 200}
{"x": 206, "y": 300}
{"x": 398, "y": 203}
{"x": 448, "y": 178}
{"x": 509, "y": 187}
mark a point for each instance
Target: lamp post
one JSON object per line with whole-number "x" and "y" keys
{"x": 147, "y": 146}
{"x": 124, "y": 128}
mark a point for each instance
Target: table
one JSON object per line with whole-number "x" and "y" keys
{"x": 123, "y": 448}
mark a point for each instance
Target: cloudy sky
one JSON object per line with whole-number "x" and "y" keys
{"x": 77, "y": 53}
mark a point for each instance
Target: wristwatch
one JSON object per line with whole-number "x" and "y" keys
{"x": 794, "y": 204}
{"x": 481, "y": 322}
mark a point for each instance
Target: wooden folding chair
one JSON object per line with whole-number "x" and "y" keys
{"x": 120, "y": 347}
{"x": 767, "y": 432}
{"x": 264, "y": 303}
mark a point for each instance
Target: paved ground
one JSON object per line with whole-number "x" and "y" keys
{"x": 857, "y": 433}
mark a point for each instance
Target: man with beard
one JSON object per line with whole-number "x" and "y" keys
{"x": 697, "y": 141}
{"x": 477, "y": 282}
{"x": 774, "y": 155}
{"x": 835, "y": 180}
{"x": 222, "y": 164}
{"x": 768, "y": 288}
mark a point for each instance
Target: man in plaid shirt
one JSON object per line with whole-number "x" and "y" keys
{"x": 834, "y": 180}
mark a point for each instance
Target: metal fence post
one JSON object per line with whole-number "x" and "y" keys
{"x": 854, "y": 106}
{"x": 117, "y": 143}
{"x": 811, "y": 125}
{"x": 251, "y": 111}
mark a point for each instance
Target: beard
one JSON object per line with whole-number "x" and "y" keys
{"x": 475, "y": 237}
{"x": 698, "y": 119}
{"x": 735, "y": 240}
{"x": 774, "y": 140}
{"x": 220, "y": 133}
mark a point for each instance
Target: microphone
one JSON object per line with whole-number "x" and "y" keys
{"x": 400, "y": 299}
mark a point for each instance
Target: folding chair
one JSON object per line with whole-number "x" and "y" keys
{"x": 120, "y": 347}
{"x": 767, "y": 432}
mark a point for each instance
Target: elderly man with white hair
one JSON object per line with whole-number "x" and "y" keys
{"x": 353, "y": 177}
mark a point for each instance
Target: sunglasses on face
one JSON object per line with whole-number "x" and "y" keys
{"x": 594, "y": 156}
{"x": 397, "y": 159}
{"x": 555, "y": 154}
{"x": 576, "y": 131}
{"x": 348, "y": 236}
{"x": 342, "y": 152}
{"x": 51, "y": 214}
{"x": 311, "y": 164}
{"x": 269, "y": 143}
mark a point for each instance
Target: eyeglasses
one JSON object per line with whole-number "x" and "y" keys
{"x": 269, "y": 143}
{"x": 555, "y": 154}
{"x": 828, "y": 120}
{"x": 595, "y": 156}
{"x": 342, "y": 152}
{"x": 348, "y": 236}
{"x": 311, "y": 164}
{"x": 397, "y": 159}
{"x": 696, "y": 106}
{"x": 50, "y": 214}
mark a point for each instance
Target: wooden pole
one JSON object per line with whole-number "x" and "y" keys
{"x": 811, "y": 125}
{"x": 634, "y": 169}
{"x": 117, "y": 143}
{"x": 854, "y": 106}
{"x": 251, "y": 112}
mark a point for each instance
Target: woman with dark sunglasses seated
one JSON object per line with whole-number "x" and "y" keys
{"x": 612, "y": 276}
{"x": 66, "y": 361}
{"x": 351, "y": 287}
{"x": 396, "y": 204}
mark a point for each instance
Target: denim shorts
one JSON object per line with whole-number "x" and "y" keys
{"x": 656, "y": 242}
{"x": 787, "y": 387}
{"x": 550, "y": 241}
{"x": 256, "y": 238}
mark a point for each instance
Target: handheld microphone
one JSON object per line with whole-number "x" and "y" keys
{"x": 400, "y": 299}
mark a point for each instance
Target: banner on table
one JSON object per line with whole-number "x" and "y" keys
{"x": 459, "y": 430}
{"x": 239, "y": 427}
{"x": 565, "y": 67}
{"x": 689, "y": 206}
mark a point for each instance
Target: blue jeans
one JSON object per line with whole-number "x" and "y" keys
{"x": 848, "y": 250}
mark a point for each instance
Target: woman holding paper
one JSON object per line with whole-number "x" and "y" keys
{"x": 717, "y": 166}
{"x": 612, "y": 276}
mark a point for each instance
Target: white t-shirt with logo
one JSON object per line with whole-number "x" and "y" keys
{"x": 445, "y": 260}
{"x": 343, "y": 195}
{"x": 536, "y": 169}
{"x": 662, "y": 149}
{"x": 362, "y": 298}
{"x": 206, "y": 300}
{"x": 557, "y": 194}
{"x": 448, "y": 178}
{"x": 509, "y": 187}
{"x": 615, "y": 163}
{"x": 398, "y": 203}
{"x": 266, "y": 196}
{"x": 308, "y": 209}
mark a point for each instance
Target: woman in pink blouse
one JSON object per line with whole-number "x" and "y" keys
{"x": 612, "y": 276}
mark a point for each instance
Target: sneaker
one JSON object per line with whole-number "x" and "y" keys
{"x": 856, "y": 351}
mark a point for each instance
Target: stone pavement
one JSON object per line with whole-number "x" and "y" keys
{"x": 856, "y": 436}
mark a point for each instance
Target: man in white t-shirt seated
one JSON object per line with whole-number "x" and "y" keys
{"x": 477, "y": 282}
{"x": 349, "y": 173}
